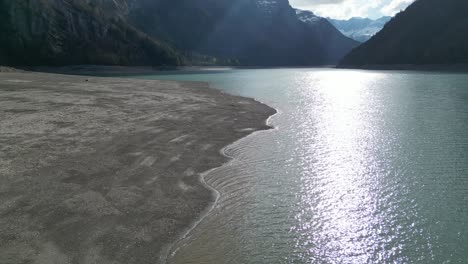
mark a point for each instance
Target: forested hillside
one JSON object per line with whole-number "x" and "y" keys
{"x": 59, "y": 32}
{"x": 164, "y": 32}
{"x": 428, "y": 32}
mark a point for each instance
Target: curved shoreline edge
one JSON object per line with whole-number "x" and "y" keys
{"x": 174, "y": 247}
{"x": 106, "y": 170}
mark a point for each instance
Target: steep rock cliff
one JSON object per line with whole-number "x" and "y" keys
{"x": 57, "y": 32}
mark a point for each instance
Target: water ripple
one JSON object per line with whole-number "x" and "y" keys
{"x": 366, "y": 167}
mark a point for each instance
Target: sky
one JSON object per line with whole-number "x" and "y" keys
{"x": 344, "y": 9}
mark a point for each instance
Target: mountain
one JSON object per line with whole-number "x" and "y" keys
{"x": 427, "y": 32}
{"x": 256, "y": 32}
{"x": 164, "y": 32}
{"x": 337, "y": 45}
{"x": 58, "y": 32}
{"x": 360, "y": 29}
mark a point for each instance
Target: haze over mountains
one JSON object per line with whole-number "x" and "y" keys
{"x": 164, "y": 32}
{"x": 427, "y": 32}
{"x": 358, "y": 28}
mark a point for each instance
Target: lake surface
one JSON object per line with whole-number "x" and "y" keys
{"x": 362, "y": 167}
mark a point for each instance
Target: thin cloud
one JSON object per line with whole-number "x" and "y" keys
{"x": 395, "y": 6}
{"x": 344, "y": 9}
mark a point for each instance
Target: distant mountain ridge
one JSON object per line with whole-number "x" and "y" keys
{"x": 427, "y": 32}
{"x": 360, "y": 29}
{"x": 164, "y": 32}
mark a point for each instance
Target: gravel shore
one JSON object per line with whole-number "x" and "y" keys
{"x": 106, "y": 170}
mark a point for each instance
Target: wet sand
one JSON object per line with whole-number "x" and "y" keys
{"x": 107, "y": 170}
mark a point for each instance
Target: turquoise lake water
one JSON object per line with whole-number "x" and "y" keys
{"x": 362, "y": 167}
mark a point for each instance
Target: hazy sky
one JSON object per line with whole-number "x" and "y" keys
{"x": 350, "y": 8}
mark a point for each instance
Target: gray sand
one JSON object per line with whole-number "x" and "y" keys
{"x": 107, "y": 170}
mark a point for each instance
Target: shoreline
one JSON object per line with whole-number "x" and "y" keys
{"x": 174, "y": 248}
{"x": 113, "y": 166}
{"x": 456, "y": 68}
{"x": 124, "y": 71}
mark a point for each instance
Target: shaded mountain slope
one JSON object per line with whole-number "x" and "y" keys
{"x": 58, "y": 32}
{"x": 334, "y": 43}
{"x": 427, "y": 32}
{"x": 154, "y": 32}
{"x": 257, "y": 32}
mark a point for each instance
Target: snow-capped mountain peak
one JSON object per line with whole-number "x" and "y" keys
{"x": 360, "y": 29}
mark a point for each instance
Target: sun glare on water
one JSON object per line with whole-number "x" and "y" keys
{"x": 341, "y": 217}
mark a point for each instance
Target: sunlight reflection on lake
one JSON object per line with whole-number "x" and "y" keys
{"x": 363, "y": 167}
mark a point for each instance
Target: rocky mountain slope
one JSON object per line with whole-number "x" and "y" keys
{"x": 141, "y": 32}
{"x": 58, "y": 32}
{"x": 335, "y": 44}
{"x": 427, "y": 32}
{"x": 360, "y": 29}
{"x": 256, "y": 32}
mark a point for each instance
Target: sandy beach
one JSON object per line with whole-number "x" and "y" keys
{"x": 106, "y": 170}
